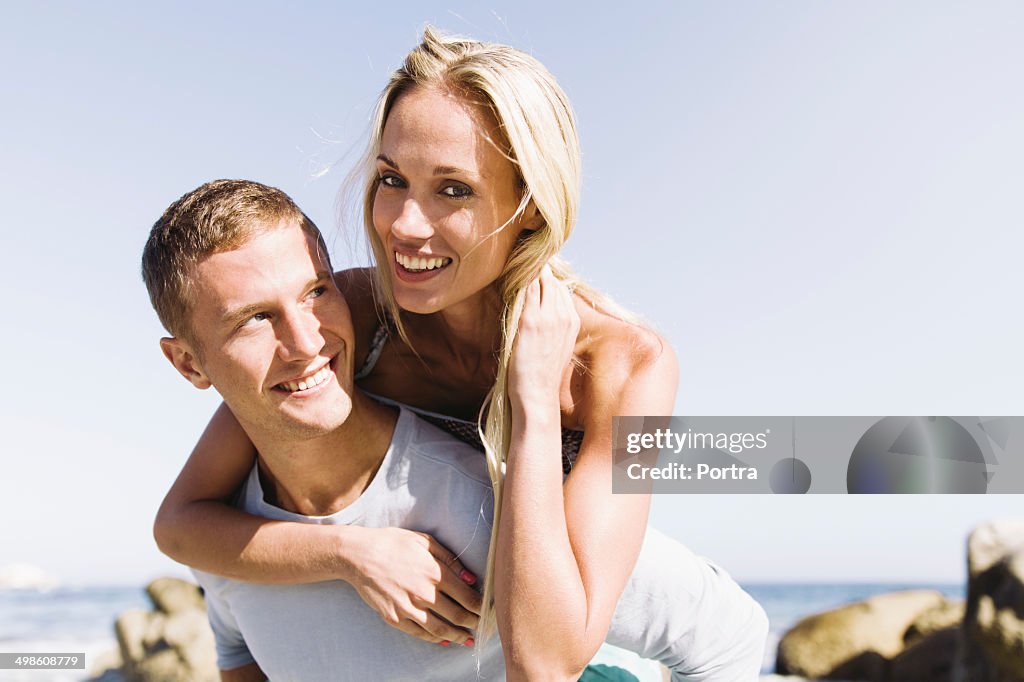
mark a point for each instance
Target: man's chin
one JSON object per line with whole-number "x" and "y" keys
{"x": 307, "y": 430}
{"x": 300, "y": 422}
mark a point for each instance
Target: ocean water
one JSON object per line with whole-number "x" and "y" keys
{"x": 64, "y": 620}
{"x": 81, "y": 619}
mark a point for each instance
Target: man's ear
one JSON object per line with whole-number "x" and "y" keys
{"x": 184, "y": 359}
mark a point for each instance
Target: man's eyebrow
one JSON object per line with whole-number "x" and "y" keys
{"x": 236, "y": 315}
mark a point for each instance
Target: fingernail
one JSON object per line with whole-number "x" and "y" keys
{"x": 445, "y": 642}
{"x": 467, "y": 577}
{"x": 469, "y": 641}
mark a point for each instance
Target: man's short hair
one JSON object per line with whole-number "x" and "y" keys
{"x": 219, "y": 216}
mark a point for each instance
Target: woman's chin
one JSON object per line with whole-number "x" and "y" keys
{"x": 418, "y": 305}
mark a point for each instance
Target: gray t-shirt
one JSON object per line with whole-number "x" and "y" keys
{"x": 324, "y": 631}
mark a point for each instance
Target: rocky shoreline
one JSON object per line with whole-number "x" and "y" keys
{"x": 911, "y": 636}
{"x": 919, "y": 636}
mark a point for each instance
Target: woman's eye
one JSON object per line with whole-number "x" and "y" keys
{"x": 389, "y": 180}
{"x": 318, "y": 292}
{"x": 457, "y": 191}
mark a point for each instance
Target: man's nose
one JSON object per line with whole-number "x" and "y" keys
{"x": 412, "y": 222}
{"x": 300, "y": 337}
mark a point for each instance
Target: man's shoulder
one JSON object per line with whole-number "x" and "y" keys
{"x": 210, "y": 583}
{"x": 438, "y": 449}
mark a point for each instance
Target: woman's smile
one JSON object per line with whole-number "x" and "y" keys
{"x": 417, "y": 268}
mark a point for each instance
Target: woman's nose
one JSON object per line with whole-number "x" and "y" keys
{"x": 412, "y": 222}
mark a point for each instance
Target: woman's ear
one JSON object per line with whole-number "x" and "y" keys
{"x": 532, "y": 219}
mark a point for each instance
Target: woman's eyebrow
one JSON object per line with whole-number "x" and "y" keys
{"x": 451, "y": 170}
{"x": 438, "y": 170}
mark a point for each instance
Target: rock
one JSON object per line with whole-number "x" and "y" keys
{"x": 130, "y": 629}
{"x": 991, "y": 647}
{"x": 173, "y": 643}
{"x": 106, "y": 667}
{"x": 948, "y": 614}
{"x": 929, "y": 659}
{"x": 165, "y": 666}
{"x": 108, "y": 675}
{"x": 854, "y": 641}
{"x": 989, "y": 544}
{"x": 171, "y": 595}
{"x": 189, "y": 633}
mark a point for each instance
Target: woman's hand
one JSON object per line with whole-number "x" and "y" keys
{"x": 415, "y": 584}
{"x": 547, "y": 335}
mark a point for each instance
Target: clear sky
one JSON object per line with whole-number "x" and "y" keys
{"x": 818, "y": 203}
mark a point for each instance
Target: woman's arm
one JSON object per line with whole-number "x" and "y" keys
{"x": 566, "y": 552}
{"x": 407, "y": 577}
{"x": 195, "y": 524}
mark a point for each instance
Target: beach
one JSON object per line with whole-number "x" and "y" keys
{"x": 81, "y": 619}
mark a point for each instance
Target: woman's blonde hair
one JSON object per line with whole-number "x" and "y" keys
{"x": 539, "y": 130}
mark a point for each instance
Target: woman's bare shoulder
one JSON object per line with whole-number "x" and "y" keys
{"x": 355, "y": 281}
{"x": 356, "y": 285}
{"x": 622, "y": 363}
{"x": 610, "y": 344}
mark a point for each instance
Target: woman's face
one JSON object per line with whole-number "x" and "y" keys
{"x": 445, "y": 191}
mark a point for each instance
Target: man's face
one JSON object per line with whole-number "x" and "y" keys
{"x": 274, "y": 335}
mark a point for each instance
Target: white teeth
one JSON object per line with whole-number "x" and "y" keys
{"x": 309, "y": 382}
{"x": 418, "y": 263}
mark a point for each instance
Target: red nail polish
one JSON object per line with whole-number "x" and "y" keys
{"x": 467, "y": 577}
{"x": 469, "y": 641}
{"x": 445, "y": 642}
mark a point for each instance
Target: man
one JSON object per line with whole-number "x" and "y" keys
{"x": 241, "y": 279}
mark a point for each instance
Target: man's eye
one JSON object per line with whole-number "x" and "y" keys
{"x": 457, "y": 191}
{"x": 318, "y": 292}
{"x": 258, "y": 317}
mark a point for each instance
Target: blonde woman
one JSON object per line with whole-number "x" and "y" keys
{"x": 472, "y": 182}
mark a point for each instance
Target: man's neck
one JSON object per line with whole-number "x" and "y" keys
{"x": 320, "y": 476}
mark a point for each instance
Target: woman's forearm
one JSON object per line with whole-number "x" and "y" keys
{"x": 541, "y": 603}
{"x": 405, "y": 576}
{"x": 217, "y": 538}
{"x": 196, "y": 526}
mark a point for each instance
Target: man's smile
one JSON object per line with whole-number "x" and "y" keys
{"x": 305, "y": 384}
